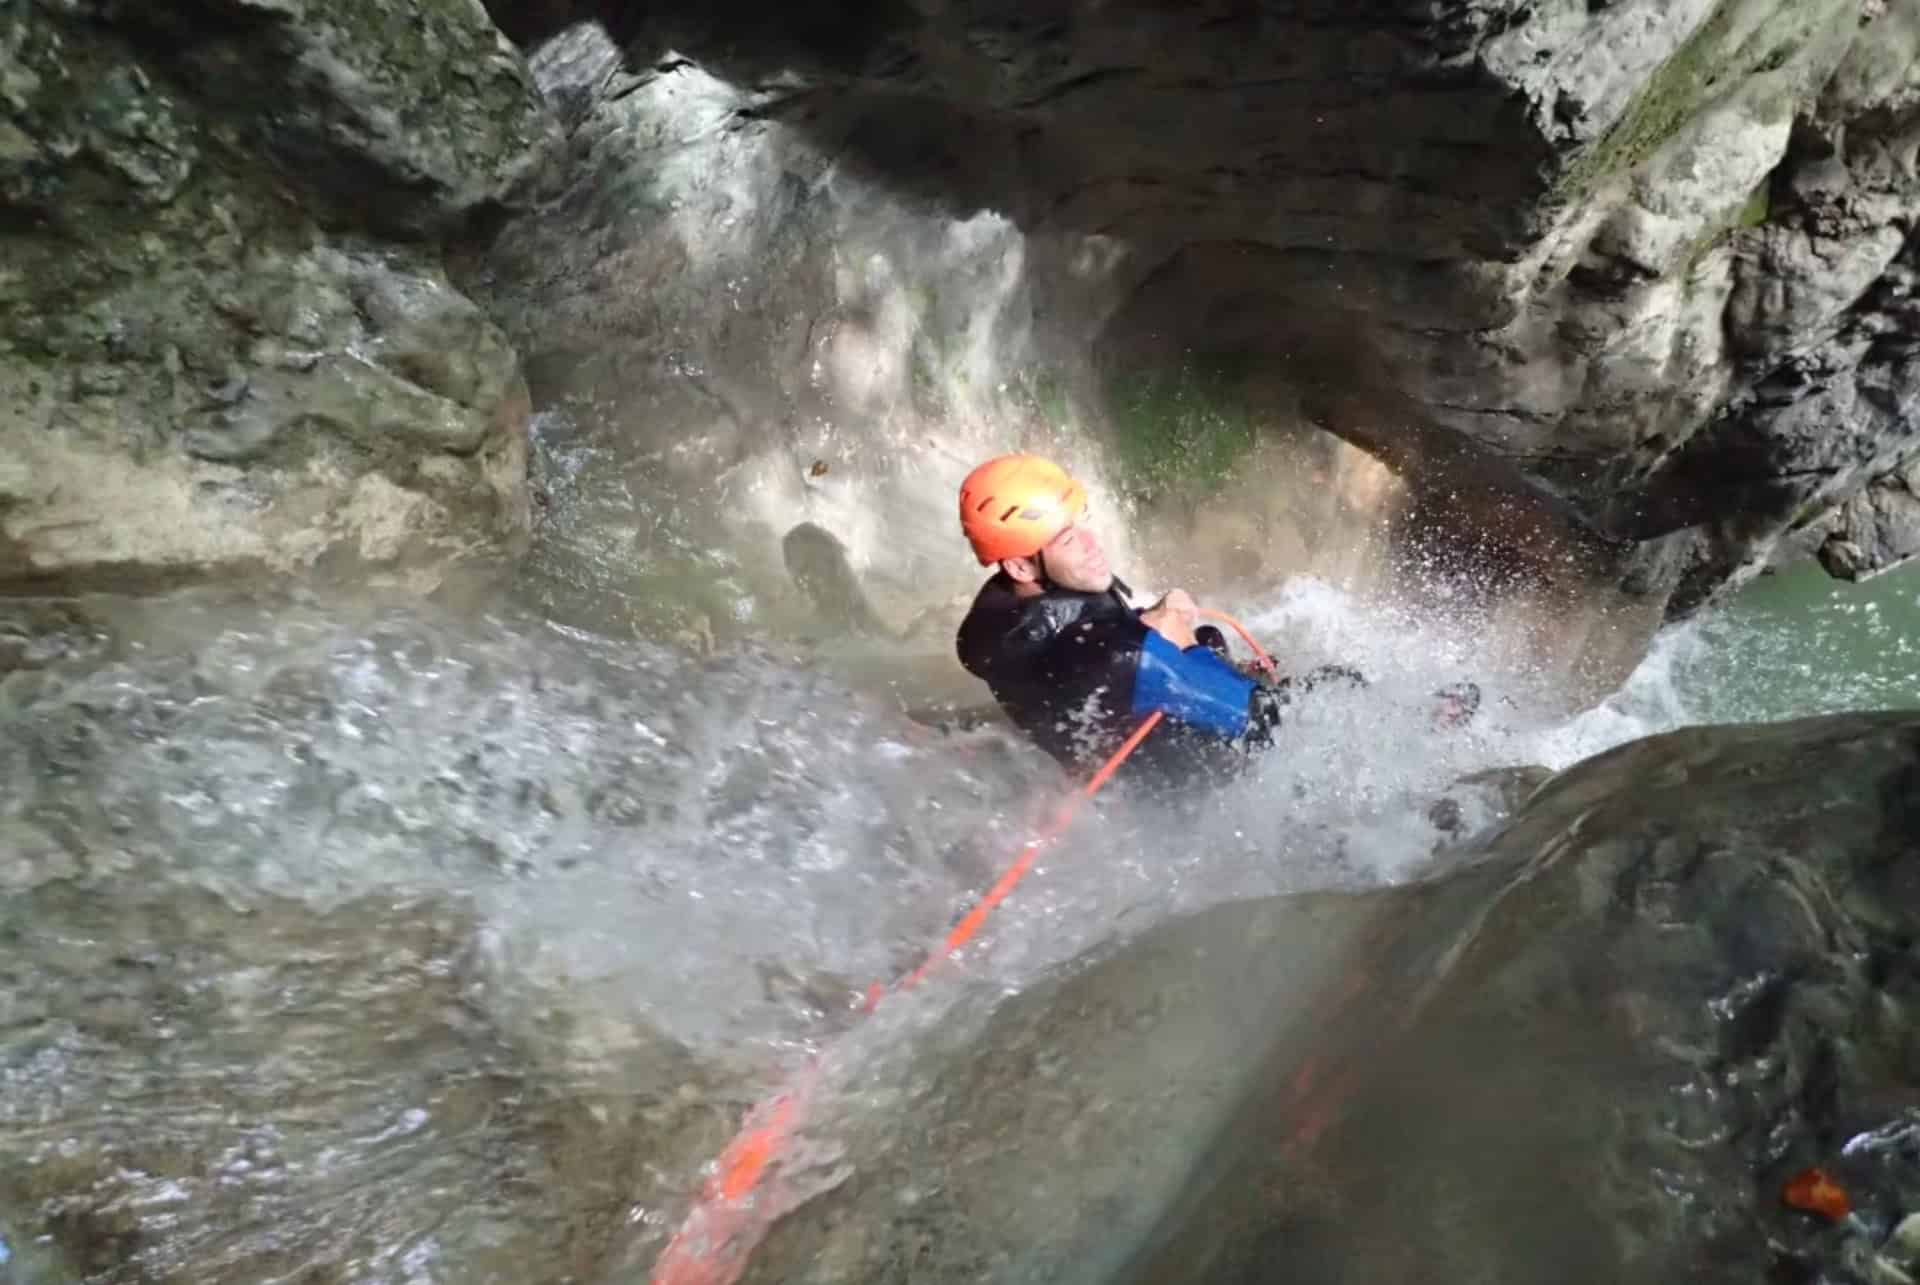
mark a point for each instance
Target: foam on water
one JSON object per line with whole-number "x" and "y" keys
{"x": 1343, "y": 798}
{"x": 731, "y": 847}
{"x": 633, "y": 865}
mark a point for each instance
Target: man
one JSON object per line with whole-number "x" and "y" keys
{"x": 1077, "y": 667}
{"x": 1071, "y": 661}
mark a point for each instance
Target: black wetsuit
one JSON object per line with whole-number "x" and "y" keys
{"x": 1078, "y": 672}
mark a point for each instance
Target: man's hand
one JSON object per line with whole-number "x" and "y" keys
{"x": 1174, "y": 618}
{"x": 1459, "y": 702}
{"x": 1264, "y": 706}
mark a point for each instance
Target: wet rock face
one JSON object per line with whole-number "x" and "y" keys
{"x": 739, "y": 342}
{"x": 211, "y": 364}
{"x": 1698, "y": 983}
{"x": 1822, "y": 322}
{"x": 409, "y": 116}
{"x": 1646, "y": 256}
{"x": 1611, "y": 1035}
{"x": 1656, "y": 259}
{"x": 1877, "y": 530}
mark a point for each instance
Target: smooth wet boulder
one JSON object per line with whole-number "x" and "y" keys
{"x": 1683, "y": 974}
{"x": 1699, "y": 982}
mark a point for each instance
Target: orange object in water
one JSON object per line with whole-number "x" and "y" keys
{"x": 1813, "y": 1191}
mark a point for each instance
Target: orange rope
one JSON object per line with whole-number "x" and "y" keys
{"x": 1260, "y": 657}
{"x": 732, "y": 1214}
{"x": 964, "y": 930}
{"x": 728, "y": 1219}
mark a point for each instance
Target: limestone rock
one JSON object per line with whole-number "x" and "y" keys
{"x": 1647, "y": 258}
{"x": 400, "y": 117}
{"x": 202, "y": 380}
{"x": 1820, "y": 319}
{"x": 326, "y": 410}
{"x": 1877, "y": 530}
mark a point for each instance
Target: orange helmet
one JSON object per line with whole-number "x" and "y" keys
{"x": 1012, "y": 505}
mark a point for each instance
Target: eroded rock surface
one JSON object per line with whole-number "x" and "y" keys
{"x": 1648, "y": 259}
{"x": 1877, "y": 530}
{"x": 1699, "y": 984}
{"x": 215, "y": 357}
{"x": 1822, "y": 322}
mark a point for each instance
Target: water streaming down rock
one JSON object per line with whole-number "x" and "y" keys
{"x": 338, "y": 944}
{"x": 379, "y": 944}
{"x": 1683, "y": 973}
{"x": 345, "y": 938}
{"x": 383, "y": 946}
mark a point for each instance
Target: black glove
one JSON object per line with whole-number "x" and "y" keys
{"x": 1263, "y": 716}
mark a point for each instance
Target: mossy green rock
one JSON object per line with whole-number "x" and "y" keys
{"x": 216, "y": 357}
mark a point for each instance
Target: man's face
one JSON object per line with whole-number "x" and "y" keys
{"x": 1073, "y": 560}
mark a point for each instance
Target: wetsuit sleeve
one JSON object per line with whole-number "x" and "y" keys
{"x": 1195, "y": 687}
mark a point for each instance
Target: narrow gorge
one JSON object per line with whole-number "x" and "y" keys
{"x": 477, "y": 588}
